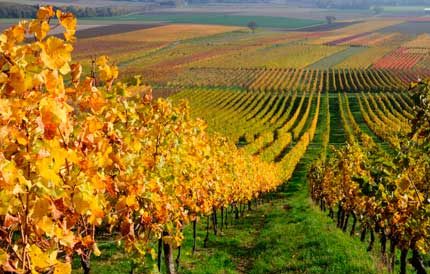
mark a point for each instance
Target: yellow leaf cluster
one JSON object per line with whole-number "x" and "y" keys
{"x": 75, "y": 156}
{"x": 108, "y": 73}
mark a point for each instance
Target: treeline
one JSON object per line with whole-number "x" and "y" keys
{"x": 366, "y": 4}
{"x": 227, "y": 1}
{"x": 13, "y": 10}
{"x": 339, "y": 4}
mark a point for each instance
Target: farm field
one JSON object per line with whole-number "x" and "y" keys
{"x": 203, "y": 55}
{"x": 219, "y": 19}
{"x": 409, "y": 27}
{"x": 196, "y": 143}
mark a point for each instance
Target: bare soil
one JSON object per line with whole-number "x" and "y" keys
{"x": 113, "y": 29}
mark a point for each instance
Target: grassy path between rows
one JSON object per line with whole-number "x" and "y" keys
{"x": 288, "y": 234}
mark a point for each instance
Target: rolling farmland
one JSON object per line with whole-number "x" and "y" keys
{"x": 285, "y": 97}
{"x": 223, "y": 149}
{"x": 203, "y": 55}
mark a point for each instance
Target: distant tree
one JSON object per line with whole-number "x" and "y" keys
{"x": 252, "y": 26}
{"x": 330, "y": 19}
{"x": 377, "y": 9}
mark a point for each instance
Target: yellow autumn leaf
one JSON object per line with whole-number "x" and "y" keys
{"x": 65, "y": 69}
{"x": 4, "y": 257}
{"x": 41, "y": 208}
{"x": 76, "y": 71}
{"x": 115, "y": 72}
{"x": 44, "y": 13}
{"x": 94, "y": 124}
{"x": 5, "y": 201}
{"x": 62, "y": 268}
{"x": 51, "y": 80}
{"x": 28, "y": 82}
{"x": 3, "y": 38}
{"x": 17, "y": 79}
{"x": 96, "y": 250}
{"x": 22, "y": 140}
{"x": 3, "y": 78}
{"x": 102, "y": 60}
{"x": 53, "y": 256}
{"x": 55, "y": 53}
{"x": 137, "y": 146}
{"x": 69, "y": 22}
{"x": 97, "y": 183}
{"x": 66, "y": 237}
{"x": 12, "y": 36}
{"x": 5, "y": 109}
{"x": 421, "y": 246}
{"x": 72, "y": 157}
{"x": 58, "y": 110}
{"x": 50, "y": 165}
{"x": 70, "y": 37}
{"x": 16, "y": 33}
{"x": 40, "y": 29}
{"x": 107, "y": 72}
{"x": 46, "y": 172}
{"x": 96, "y": 216}
{"x": 59, "y": 155}
{"x": 103, "y": 158}
{"x": 9, "y": 174}
{"x": 47, "y": 226}
{"x": 81, "y": 203}
{"x": 39, "y": 259}
{"x": 131, "y": 201}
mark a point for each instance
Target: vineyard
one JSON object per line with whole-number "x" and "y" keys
{"x": 357, "y": 58}
{"x": 274, "y": 152}
{"x": 287, "y": 80}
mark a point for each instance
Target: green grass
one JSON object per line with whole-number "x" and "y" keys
{"x": 8, "y": 21}
{"x": 216, "y": 19}
{"x": 402, "y": 9}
